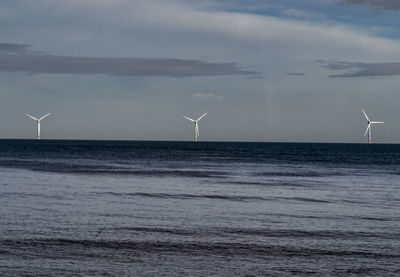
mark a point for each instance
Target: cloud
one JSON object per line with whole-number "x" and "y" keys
{"x": 302, "y": 14}
{"x": 251, "y": 27}
{"x": 393, "y": 5}
{"x": 116, "y": 66}
{"x": 141, "y": 26}
{"x": 188, "y": 18}
{"x": 296, "y": 73}
{"x": 207, "y": 96}
{"x": 363, "y": 69}
{"x": 14, "y": 47}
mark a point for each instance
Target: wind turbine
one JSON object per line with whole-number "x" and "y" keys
{"x": 38, "y": 122}
{"x": 196, "y": 126}
{"x": 369, "y": 127}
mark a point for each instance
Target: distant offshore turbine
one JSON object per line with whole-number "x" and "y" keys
{"x": 369, "y": 127}
{"x": 38, "y": 122}
{"x": 196, "y": 126}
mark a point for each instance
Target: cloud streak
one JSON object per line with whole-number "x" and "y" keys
{"x": 391, "y": 5}
{"x": 296, "y": 73}
{"x": 210, "y": 96}
{"x": 14, "y": 47}
{"x": 360, "y": 69}
{"x": 53, "y": 64}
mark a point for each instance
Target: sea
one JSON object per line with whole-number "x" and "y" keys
{"x": 157, "y": 208}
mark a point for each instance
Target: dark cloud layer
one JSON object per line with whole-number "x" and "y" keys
{"x": 14, "y": 47}
{"x": 377, "y": 4}
{"x": 359, "y": 69}
{"x": 32, "y": 63}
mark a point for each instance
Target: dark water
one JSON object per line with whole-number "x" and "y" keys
{"x": 93, "y": 208}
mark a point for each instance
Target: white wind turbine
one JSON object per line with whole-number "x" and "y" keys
{"x": 38, "y": 122}
{"x": 369, "y": 127}
{"x": 196, "y": 126}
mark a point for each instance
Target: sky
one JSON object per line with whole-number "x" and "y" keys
{"x": 270, "y": 71}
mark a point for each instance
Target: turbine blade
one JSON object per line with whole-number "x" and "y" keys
{"x": 197, "y": 130}
{"x": 366, "y": 116}
{"x": 34, "y": 118}
{"x": 373, "y": 122}
{"x": 188, "y": 118}
{"x": 201, "y": 117}
{"x": 366, "y": 131}
{"x": 45, "y": 116}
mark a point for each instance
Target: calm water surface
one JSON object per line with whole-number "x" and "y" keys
{"x": 111, "y": 208}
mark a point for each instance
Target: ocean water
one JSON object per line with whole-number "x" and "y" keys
{"x": 119, "y": 208}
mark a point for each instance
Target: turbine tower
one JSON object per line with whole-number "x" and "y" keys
{"x": 196, "y": 126}
{"x": 38, "y": 122}
{"x": 369, "y": 127}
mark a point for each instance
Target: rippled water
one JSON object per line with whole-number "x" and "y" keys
{"x": 93, "y": 208}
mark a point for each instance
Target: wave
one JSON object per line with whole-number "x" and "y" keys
{"x": 102, "y": 169}
{"x": 64, "y": 247}
{"x": 305, "y": 199}
{"x": 281, "y": 233}
{"x": 299, "y": 173}
{"x": 271, "y": 183}
{"x": 185, "y": 196}
{"x": 159, "y": 195}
